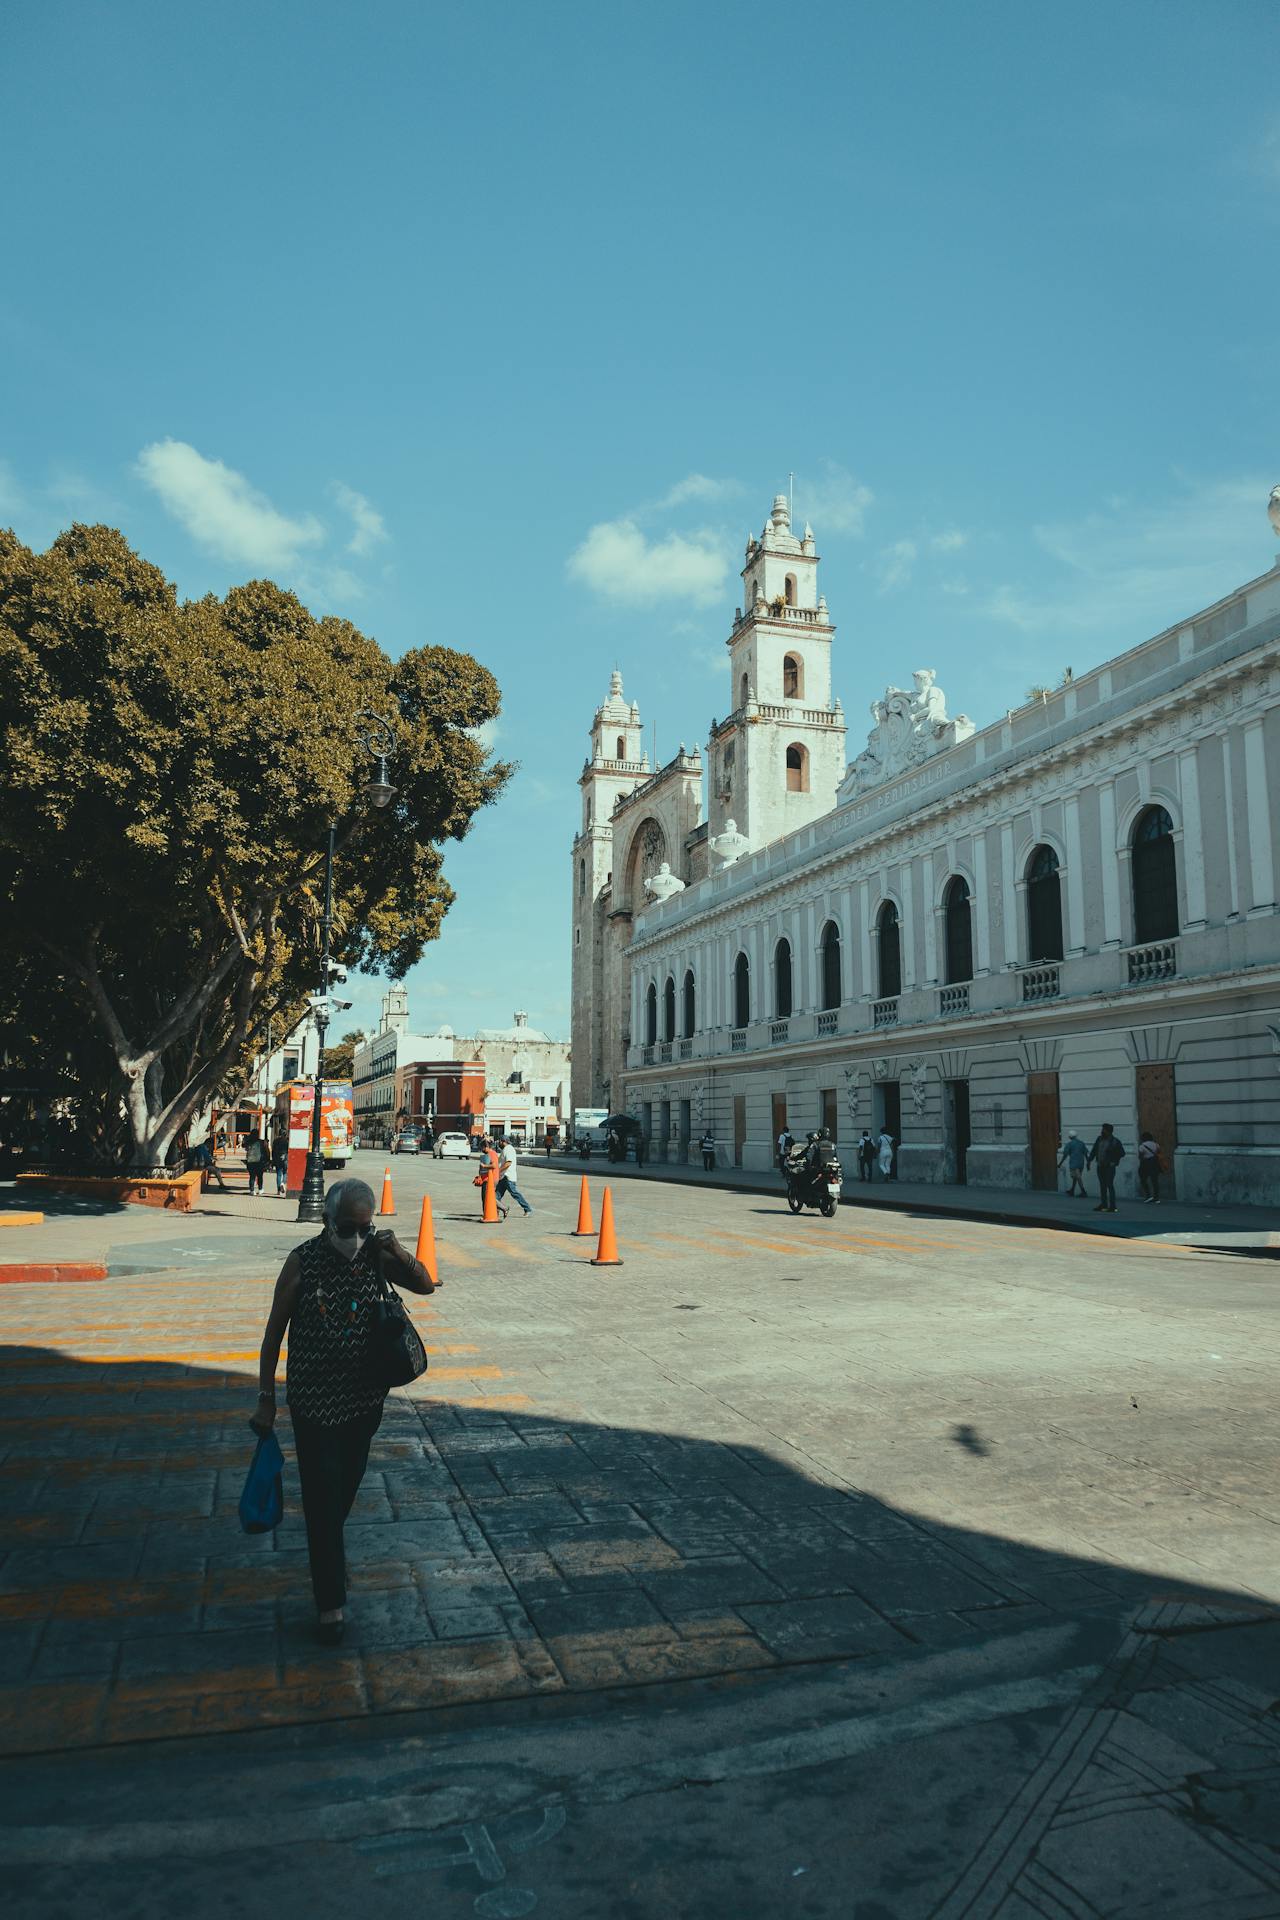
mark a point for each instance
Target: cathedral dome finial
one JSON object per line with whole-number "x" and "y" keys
{"x": 615, "y": 685}
{"x": 781, "y": 515}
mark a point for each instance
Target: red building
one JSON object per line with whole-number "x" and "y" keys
{"x": 446, "y": 1096}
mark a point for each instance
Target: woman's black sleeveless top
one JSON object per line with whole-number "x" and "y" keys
{"x": 329, "y": 1333}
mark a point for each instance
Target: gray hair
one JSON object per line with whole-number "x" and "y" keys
{"x": 352, "y": 1191}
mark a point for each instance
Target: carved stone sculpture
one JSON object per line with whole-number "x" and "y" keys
{"x": 663, "y": 883}
{"x": 910, "y": 725}
{"x": 919, "y": 1073}
{"x": 730, "y": 845}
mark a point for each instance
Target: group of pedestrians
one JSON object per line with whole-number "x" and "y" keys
{"x": 877, "y": 1156}
{"x": 258, "y": 1156}
{"x": 503, "y": 1164}
{"x": 1105, "y": 1155}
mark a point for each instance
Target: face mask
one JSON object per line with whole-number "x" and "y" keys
{"x": 349, "y": 1244}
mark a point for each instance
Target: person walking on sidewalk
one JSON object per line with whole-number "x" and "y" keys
{"x": 786, "y": 1140}
{"x": 866, "y": 1155}
{"x": 1073, "y": 1155}
{"x": 327, "y": 1298}
{"x": 256, "y": 1159}
{"x": 885, "y": 1148}
{"x": 488, "y": 1165}
{"x": 1149, "y": 1166}
{"x": 1106, "y": 1153}
{"x": 508, "y": 1167}
{"x": 280, "y": 1160}
{"x": 708, "y": 1146}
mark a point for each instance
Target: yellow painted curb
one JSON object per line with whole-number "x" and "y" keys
{"x": 21, "y": 1219}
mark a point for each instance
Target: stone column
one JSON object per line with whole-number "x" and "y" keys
{"x": 982, "y": 904}
{"x": 1110, "y": 864}
{"x": 1192, "y": 838}
{"x": 1229, "y": 824}
{"x": 930, "y": 923}
{"x": 1009, "y": 896}
{"x": 1257, "y": 808}
{"x": 1075, "y": 875}
{"x": 908, "y": 927}
{"x": 866, "y": 983}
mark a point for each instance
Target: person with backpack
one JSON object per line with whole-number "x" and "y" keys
{"x": 1150, "y": 1167}
{"x": 1073, "y": 1154}
{"x": 1106, "y": 1153}
{"x": 280, "y": 1160}
{"x": 866, "y": 1155}
{"x": 256, "y": 1160}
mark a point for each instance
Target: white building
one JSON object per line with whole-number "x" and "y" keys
{"x": 980, "y": 938}
{"x": 526, "y": 1071}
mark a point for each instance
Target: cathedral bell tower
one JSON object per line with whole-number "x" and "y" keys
{"x": 616, "y": 766}
{"x": 777, "y": 760}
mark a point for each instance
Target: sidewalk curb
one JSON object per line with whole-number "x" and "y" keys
{"x": 43, "y": 1273}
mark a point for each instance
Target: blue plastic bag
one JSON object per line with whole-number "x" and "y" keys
{"x": 262, "y": 1502}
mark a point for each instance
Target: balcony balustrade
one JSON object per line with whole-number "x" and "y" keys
{"x": 885, "y": 1013}
{"x": 647, "y": 1056}
{"x": 1159, "y": 961}
{"x": 664, "y": 1053}
{"x": 738, "y": 1040}
{"x": 1041, "y": 983}
{"x": 953, "y": 1000}
{"x": 828, "y": 1022}
{"x": 686, "y": 1049}
{"x": 778, "y": 1032}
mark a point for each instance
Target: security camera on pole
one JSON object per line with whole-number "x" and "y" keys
{"x": 378, "y": 739}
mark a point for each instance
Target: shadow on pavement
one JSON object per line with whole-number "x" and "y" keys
{"x": 709, "y": 1613}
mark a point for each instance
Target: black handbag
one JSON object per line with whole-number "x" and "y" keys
{"x": 395, "y": 1353}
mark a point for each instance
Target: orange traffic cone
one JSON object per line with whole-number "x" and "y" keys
{"x": 606, "y": 1254}
{"x": 388, "y": 1204}
{"x": 586, "y": 1225}
{"x": 489, "y": 1217}
{"x": 425, "y": 1251}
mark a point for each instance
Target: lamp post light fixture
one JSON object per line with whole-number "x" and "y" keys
{"x": 377, "y": 738}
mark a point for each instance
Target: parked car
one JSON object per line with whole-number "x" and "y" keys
{"x": 408, "y": 1140}
{"x": 452, "y": 1146}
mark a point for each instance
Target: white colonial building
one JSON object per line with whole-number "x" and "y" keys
{"x": 981, "y": 938}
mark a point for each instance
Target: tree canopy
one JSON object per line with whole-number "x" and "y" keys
{"x": 168, "y": 773}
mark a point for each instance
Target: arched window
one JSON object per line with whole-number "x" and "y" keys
{"x": 1155, "y": 878}
{"x": 669, "y": 1009}
{"x": 690, "y": 1005}
{"x": 782, "y": 980}
{"x": 830, "y": 965}
{"x": 791, "y": 589}
{"x": 745, "y": 690}
{"x": 582, "y": 876}
{"x": 959, "y": 922}
{"x": 1044, "y": 906}
{"x": 622, "y": 749}
{"x": 797, "y": 770}
{"x": 792, "y": 678}
{"x": 889, "y": 941}
{"x": 651, "y": 1015}
{"x": 742, "y": 991}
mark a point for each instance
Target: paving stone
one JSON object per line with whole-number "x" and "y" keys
{"x": 730, "y": 1582}
{"x": 838, "y": 1626}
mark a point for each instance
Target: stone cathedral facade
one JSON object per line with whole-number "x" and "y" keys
{"x": 980, "y": 938}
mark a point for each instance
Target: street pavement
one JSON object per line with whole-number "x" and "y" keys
{"x": 882, "y": 1566}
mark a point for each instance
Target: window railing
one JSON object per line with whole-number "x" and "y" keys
{"x": 738, "y": 1040}
{"x": 646, "y": 1056}
{"x": 686, "y": 1049}
{"x": 664, "y": 1052}
{"x": 1041, "y": 983}
{"x": 828, "y": 1022}
{"x": 885, "y": 1013}
{"x": 1159, "y": 961}
{"x": 779, "y": 1031}
{"x": 954, "y": 999}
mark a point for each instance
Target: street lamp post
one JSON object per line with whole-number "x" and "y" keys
{"x": 378, "y": 739}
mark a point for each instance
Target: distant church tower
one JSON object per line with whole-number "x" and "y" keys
{"x": 776, "y": 761}
{"x": 617, "y": 764}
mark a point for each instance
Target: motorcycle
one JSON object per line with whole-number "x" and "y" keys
{"x": 812, "y": 1186}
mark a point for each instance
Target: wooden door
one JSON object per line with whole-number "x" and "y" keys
{"x": 779, "y": 1117}
{"x": 1045, "y": 1126}
{"x": 739, "y": 1126}
{"x": 1158, "y": 1114}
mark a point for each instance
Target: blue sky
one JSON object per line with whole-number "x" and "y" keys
{"x": 498, "y": 326}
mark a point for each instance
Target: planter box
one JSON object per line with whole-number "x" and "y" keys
{"x": 178, "y": 1192}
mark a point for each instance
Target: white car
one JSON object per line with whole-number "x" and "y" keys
{"x": 452, "y": 1146}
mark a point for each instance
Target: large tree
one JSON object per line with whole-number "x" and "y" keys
{"x": 168, "y": 774}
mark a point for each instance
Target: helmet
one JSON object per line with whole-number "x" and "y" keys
{"x": 825, "y": 1133}
{"x": 811, "y": 1137}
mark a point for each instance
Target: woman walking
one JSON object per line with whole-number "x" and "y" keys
{"x": 327, "y": 1297}
{"x": 1149, "y": 1168}
{"x": 256, "y": 1159}
{"x": 280, "y": 1159}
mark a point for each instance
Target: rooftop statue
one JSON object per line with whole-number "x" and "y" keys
{"x": 911, "y": 725}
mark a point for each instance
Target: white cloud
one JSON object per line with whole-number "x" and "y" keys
{"x": 949, "y": 542}
{"x": 697, "y": 486}
{"x": 619, "y": 562}
{"x": 221, "y": 511}
{"x": 486, "y": 734}
{"x": 896, "y": 565}
{"x": 1127, "y": 570}
{"x": 834, "y": 502}
{"x": 369, "y": 528}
